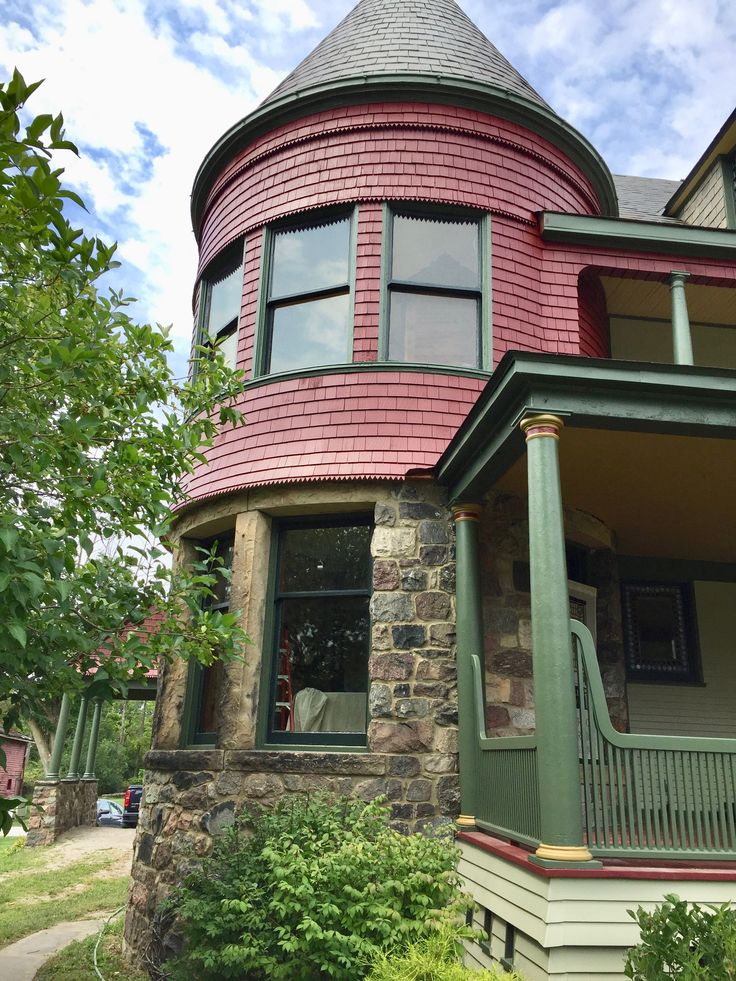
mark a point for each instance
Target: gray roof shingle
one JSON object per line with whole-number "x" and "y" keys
{"x": 644, "y": 198}
{"x": 390, "y": 37}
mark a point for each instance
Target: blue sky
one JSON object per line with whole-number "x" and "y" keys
{"x": 146, "y": 88}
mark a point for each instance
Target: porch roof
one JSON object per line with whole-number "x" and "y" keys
{"x": 588, "y": 394}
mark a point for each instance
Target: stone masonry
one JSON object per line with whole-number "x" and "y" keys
{"x": 64, "y": 804}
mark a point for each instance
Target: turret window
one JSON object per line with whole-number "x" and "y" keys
{"x": 221, "y": 292}
{"x": 435, "y": 290}
{"x": 308, "y": 309}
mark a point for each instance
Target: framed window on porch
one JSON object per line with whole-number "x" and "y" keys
{"x": 205, "y": 683}
{"x": 317, "y": 681}
{"x": 660, "y": 632}
{"x": 307, "y": 309}
{"x": 436, "y": 267}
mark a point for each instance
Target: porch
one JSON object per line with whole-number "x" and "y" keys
{"x": 646, "y": 455}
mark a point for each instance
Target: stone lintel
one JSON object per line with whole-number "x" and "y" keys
{"x": 283, "y": 761}
{"x": 184, "y": 759}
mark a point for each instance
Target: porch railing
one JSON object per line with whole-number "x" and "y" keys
{"x": 652, "y": 796}
{"x": 670, "y": 797}
{"x": 507, "y": 789}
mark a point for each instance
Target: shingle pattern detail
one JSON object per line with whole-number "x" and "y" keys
{"x": 390, "y": 37}
{"x": 645, "y": 198}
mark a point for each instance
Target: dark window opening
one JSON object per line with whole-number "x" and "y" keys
{"x": 308, "y": 299}
{"x": 435, "y": 290}
{"x": 322, "y": 633}
{"x": 509, "y": 947}
{"x": 660, "y": 632}
{"x": 222, "y": 289}
{"x": 485, "y": 944}
{"x": 207, "y": 682}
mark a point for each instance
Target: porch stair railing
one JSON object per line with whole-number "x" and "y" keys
{"x": 671, "y": 797}
{"x": 659, "y": 797}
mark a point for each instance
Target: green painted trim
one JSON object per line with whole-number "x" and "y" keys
{"x": 511, "y": 833}
{"x": 430, "y": 89}
{"x": 486, "y": 283}
{"x": 590, "y": 393}
{"x": 94, "y": 732}
{"x": 261, "y": 344}
{"x": 267, "y": 665}
{"x": 73, "y": 773}
{"x": 387, "y": 255}
{"x": 52, "y": 773}
{"x": 728, "y": 176}
{"x": 643, "y": 236}
{"x": 354, "y": 366}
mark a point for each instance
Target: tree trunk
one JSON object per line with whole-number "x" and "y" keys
{"x": 42, "y": 743}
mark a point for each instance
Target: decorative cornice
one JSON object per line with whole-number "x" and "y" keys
{"x": 430, "y": 89}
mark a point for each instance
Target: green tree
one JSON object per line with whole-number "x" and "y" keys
{"x": 95, "y": 435}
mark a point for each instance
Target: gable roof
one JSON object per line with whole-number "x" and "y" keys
{"x": 399, "y": 37}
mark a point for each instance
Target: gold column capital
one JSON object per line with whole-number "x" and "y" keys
{"x": 467, "y": 512}
{"x": 541, "y": 425}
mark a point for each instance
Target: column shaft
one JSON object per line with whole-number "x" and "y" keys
{"x": 52, "y": 773}
{"x": 89, "y": 770}
{"x": 73, "y": 773}
{"x": 682, "y": 341}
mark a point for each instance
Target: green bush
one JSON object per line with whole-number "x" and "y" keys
{"x": 692, "y": 943}
{"x": 436, "y": 957}
{"x": 312, "y": 890}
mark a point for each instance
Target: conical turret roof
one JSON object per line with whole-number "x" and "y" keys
{"x": 404, "y": 37}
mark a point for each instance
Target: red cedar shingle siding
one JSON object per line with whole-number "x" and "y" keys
{"x": 11, "y": 776}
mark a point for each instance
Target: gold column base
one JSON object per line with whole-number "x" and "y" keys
{"x": 563, "y": 853}
{"x": 466, "y": 822}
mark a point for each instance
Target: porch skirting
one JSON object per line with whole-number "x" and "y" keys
{"x": 570, "y": 923}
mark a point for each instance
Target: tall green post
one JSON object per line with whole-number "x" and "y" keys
{"x": 94, "y": 732}
{"x": 682, "y": 340}
{"x": 554, "y": 681}
{"x": 73, "y": 773}
{"x": 469, "y": 642}
{"x": 52, "y": 773}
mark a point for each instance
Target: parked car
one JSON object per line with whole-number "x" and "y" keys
{"x": 132, "y": 804}
{"x": 109, "y": 814}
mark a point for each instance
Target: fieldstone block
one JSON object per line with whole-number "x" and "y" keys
{"x": 446, "y": 715}
{"x": 425, "y": 810}
{"x": 419, "y": 509}
{"x": 434, "y": 652}
{"x": 183, "y": 780}
{"x": 403, "y": 766}
{"x": 402, "y": 812}
{"x": 184, "y": 759}
{"x": 379, "y": 700}
{"x": 391, "y": 667}
{"x": 413, "y": 580}
{"x": 419, "y": 790}
{"x": 408, "y": 635}
{"x": 434, "y": 532}
{"x": 393, "y": 542}
{"x": 283, "y": 761}
{"x": 390, "y": 607}
{"x": 439, "y": 763}
{"x": 445, "y": 741}
{"x": 401, "y": 691}
{"x": 385, "y": 514}
{"x": 515, "y": 664}
{"x": 497, "y": 717}
{"x": 414, "y": 736}
{"x": 381, "y": 637}
{"x": 442, "y": 634}
{"x": 144, "y": 851}
{"x": 370, "y": 789}
{"x": 436, "y": 670}
{"x": 433, "y": 606}
{"x": 431, "y": 689}
{"x": 503, "y": 620}
{"x": 433, "y": 554}
{"x": 448, "y": 578}
{"x": 407, "y": 707}
{"x": 448, "y": 795}
{"x": 385, "y": 574}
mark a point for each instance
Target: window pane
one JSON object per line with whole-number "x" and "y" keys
{"x": 434, "y": 329}
{"x": 311, "y": 333}
{"x": 656, "y": 619}
{"x": 325, "y": 558}
{"x": 323, "y": 665}
{"x": 225, "y": 296}
{"x": 307, "y": 259}
{"x": 209, "y": 698}
{"x": 227, "y": 346}
{"x": 436, "y": 253}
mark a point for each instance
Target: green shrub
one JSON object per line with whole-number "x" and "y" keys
{"x": 312, "y": 890}
{"x": 436, "y": 957}
{"x": 685, "y": 942}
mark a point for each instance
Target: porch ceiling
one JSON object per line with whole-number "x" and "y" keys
{"x": 646, "y": 298}
{"x": 661, "y": 495}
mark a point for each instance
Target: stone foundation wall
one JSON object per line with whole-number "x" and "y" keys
{"x": 66, "y": 804}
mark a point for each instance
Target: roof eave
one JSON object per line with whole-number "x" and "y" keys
{"x": 722, "y": 143}
{"x": 402, "y": 87}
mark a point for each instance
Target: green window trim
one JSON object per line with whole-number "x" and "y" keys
{"x": 267, "y": 303}
{"x": 483, "y": 293}
{"x": 199, "y": 677}
{"x": 266, "y": 736}
{"x": 218, "y": 272}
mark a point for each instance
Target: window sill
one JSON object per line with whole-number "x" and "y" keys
{"x": 312, "y": 748}
{"x": 358, "y": 366}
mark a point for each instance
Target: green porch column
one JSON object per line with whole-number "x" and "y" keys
{"x": 682, "y": 341}
{"x": 89, "y": 770}
{"x": 469, "y": 642}
{"x": 73, "y": 773}
{"x": 52, "y": 773}
{"x": 554, "y": 681}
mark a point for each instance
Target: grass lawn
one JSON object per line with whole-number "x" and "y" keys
{"x": 34, "y": 896}
{"x": 74, "y": 963}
